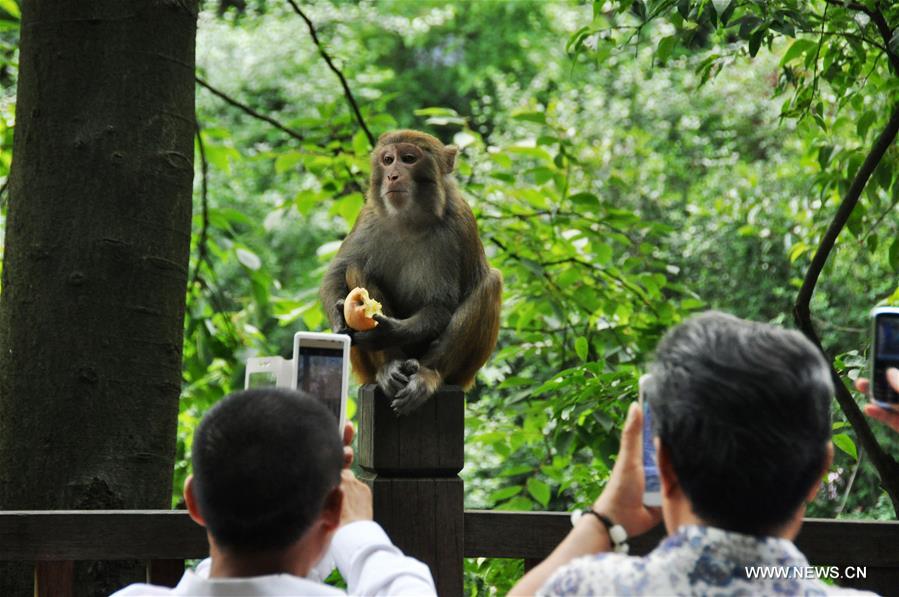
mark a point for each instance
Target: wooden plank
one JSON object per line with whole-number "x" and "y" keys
{"x": 850, "y": 542}
{"x": 166, "y": 573}
{"x": 100, "y": 535}
{"x": 535, "y": 535}
{"x": 429, "y": 442}
{"x": 54, "y": 579}
{"x": 528, "y": 535}
{"x": 883, "y": 581}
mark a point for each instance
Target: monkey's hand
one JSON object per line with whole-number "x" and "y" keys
{"x": 394, "y": 376}
{"x": 338, "y": 322}
{"x": 389, "y": 332}
{"x": 420, "y": 387}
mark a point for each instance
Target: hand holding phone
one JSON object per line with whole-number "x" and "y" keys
{"x": 884, "y": 356}
{"x": 652, "y": 486}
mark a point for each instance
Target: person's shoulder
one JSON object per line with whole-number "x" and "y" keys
{"x": 596, "y": 574}
{"x": 142, "y": 590}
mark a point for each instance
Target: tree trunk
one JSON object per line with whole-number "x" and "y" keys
{"x": 96, "y": 257}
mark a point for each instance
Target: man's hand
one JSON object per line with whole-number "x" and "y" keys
{"x": 622, "y": 499}
{"x": 357, "y": 501}
{"x": 874, "y": 411}
{"x": 348, "y": 434}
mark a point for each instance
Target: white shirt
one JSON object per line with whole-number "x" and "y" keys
{"x": 368, "y": 561}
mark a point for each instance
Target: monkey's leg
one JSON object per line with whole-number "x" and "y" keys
{"x": 463, "y": 347}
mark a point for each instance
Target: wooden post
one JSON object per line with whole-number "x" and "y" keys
{"x": 54, "y": 579}
{"x": 412, "y": 465}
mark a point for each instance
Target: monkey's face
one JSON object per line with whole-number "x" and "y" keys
{"x": 408, "y": 180}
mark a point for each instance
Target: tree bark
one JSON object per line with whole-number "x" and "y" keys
{"x": 96, "y": 258}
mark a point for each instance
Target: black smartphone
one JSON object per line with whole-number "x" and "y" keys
{"x": 884, "y": 354}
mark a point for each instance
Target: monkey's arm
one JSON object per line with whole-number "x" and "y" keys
{"x": 333, "y": 290}
{"x": 463, "y": 347}
{"x": 423, "y": 326}
{"x": 469, "y": 338}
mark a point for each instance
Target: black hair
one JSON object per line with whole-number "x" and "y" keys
{"x": 743, "y": 409}
{"x": 264, "y": 461}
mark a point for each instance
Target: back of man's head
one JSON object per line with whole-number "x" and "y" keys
{"x": 264, "y": 461}
{"x": 743, "y": 409}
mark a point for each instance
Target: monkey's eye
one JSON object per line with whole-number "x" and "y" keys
{"x": 409, "y": 158}
{"x": 388, "y": 159}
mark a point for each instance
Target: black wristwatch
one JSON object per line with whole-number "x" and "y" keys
{"x": 616, "y": 532}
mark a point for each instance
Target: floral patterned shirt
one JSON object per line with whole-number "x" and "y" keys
{"x": 700, "y": 560}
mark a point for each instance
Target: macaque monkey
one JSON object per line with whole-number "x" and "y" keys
{"x": 415, "y": 248}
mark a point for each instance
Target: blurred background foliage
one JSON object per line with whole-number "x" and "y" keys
{"x": 629, "y": 162}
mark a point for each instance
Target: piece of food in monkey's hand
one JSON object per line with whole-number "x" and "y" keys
{"x": 359, "y": 310}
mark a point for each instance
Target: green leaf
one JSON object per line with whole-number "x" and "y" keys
{"x": 865, "y": 122}
{"x": 894, "y": 255}
{"x": 349, "y": 206}
{"x": 361, "y": 146}
{"x": 11, "y": 7}
{"x": 434, "y": 111}
{"x": 530, "y": 116}
{"x": 755, "y": 41}
{"x": 517, "y": 504}
{"x": 539, "y": 491}
{"x": 721, "y": 7}
{"x": 505, "y": 493}
{"x": 845, "y": 443}
{"x": 797, "y": 49}
{"x": 666, "y": 45}
{"x": 581, "y": 348}
{"x": 248, "y": 259}
{"x": 514, "y": 471}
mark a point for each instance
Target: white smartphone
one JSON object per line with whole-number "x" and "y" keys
{"x": 884, "y": 354}
{"x": 652, "y": 486}
{"x": 321, "y": 367}
{"x": 267, "y": 372}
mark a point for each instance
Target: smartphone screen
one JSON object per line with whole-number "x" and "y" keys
{"x": 886, "y": 355}
{"x": 652, "y": 485}
{"x": 320, "y": 373}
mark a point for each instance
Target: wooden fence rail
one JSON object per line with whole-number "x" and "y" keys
{"x": 54, "y": 539}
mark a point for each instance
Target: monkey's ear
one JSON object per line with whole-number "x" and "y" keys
{"x": 449, "y": 157}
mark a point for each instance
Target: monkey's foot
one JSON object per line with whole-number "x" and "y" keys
{"x": 394, "y": 376}
{"x": 420, "y": 387}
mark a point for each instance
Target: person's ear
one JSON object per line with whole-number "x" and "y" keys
{"x": 828, "y": 460}
{"x": 190, "y": 500}
{"x": 330, "y": 515}
{"x": 670, "y": 482}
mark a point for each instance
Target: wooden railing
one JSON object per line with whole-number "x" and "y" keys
{"x": 412, "y": 465}
{"x": 164, "y": 539}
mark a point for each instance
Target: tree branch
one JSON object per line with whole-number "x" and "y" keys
{"x": 886, "y": 466}
{"x": 249, "y": 110}
{"x": 2, "y": 191}
{"x": 346, "y": 88}
{"x": 202, "y": 250}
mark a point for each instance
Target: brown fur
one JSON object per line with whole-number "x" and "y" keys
{"x": 415, "y": 247}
